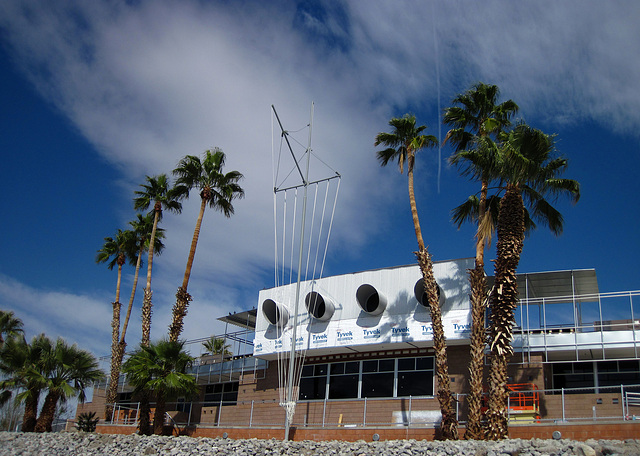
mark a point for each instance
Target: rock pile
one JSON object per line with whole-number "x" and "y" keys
{"x": 89, "y": 444}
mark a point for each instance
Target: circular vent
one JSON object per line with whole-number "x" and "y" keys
{"x": 319, "y": 307}
{"x": 422, "y": 297}
{"x": 275, "y": 313}
{"x": 370, "y": 300}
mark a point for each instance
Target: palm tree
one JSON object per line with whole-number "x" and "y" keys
{"x": 157, "y": 192}
{"x": 217, "y": 190}
{"x": 529, "y": 172}
{"x": 24, "y": 371}
{"x": 10, "y": 326}
{"x": 216, "y": 346}
{"x": 69, "y": 371}
{"x": 116, "y": 251}
{"x": 160, "y": 368}
{"x": 475, "y": 120}
{"x": 402, "y": 144}
{"x": 141, "y": 232}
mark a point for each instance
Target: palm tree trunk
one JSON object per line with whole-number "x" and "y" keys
{"x": 158, "y": 416}
{"x": 132, "y": 297}
{"x": 112, "y": 390}
{"x": 30, "y": 411}
{"x": 146, "y": 302}
{"x": 478, "y": 283}
{"x": 449, "y": 424}
{"x": 47, "y": 414}
{"x": 412, "y": 201}
{"x": 144, "y": 419}
{"x": 504, "y": 300}
{"x": 114, "y": 377}
{"x": 182, "y": 297}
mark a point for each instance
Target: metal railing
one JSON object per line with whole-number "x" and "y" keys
{"x": 617, "y": 403}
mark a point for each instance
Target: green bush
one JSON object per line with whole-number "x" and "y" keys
{"x": 87, "y": 422}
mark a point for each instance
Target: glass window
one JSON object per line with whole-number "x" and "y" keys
{"x": 337, "y": 368}
{"x": 386, "y": 365}
{"x": 408, "y": 364}
{"x": 424, "y": 363}
{"x": 415, "y": 383}
{"x": 370, "y": 366}
{"x": 320, "y": 369}
{"x": 313, "y": 388}
{"x": 227, "y": 393}
{"x": 352, "y": 367}
{"x": 377, "y": 385}
{"x": 343, "y": 387}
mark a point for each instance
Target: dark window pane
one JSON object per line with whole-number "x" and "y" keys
{"x": 337, "y": 369}
{"x": 377, "y": 385}
{"x": 320, "y": 369}
{"x": 562, "y": 368}
{"x": 573, "y": 381}
{"x": 217, "y": 388}
{"x": 607, "y": 366}
{"x": 386, "y": 365}
{"x": 582, "y": 367}
{"x": 630, "y": 365}
{"x": 407, "y": 364}
{"x": 424, "y": 363}
{"x": 343, "y": 387}
{"x": 307, "y": 371}
{"x": 415, "y": 384}
{"x": 617, "y": 379}
{"x": 313, "y": 388}
{"x": 370, "y": 366}
{"x": 352, "y": 367}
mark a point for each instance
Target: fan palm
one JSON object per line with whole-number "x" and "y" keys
{"x": 160, "y": 368}
{"x": 530, "y": 172}
{"x": 24, "y": 371}
{"x": 69, "y": 371}
{"x": 156, "y": 192}
{"x": 475, "y": 120}
{"x": 10, "y": 326}
{"x": 402, "y": 144}
{"x": 216, "y": 346}
{"x": 217, "y": 190}
{"x": 141, "y": 232}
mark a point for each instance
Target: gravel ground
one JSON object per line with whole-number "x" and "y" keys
{"x": 86, "y": 444}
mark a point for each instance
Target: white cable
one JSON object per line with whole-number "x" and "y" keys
{"x": 333, "y": 211}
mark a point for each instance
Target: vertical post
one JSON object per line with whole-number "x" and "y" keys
{"x": 364, "y": 417}
{"x": 137, "y": 414}
{"x": 251, "y": 415}
{"x": 113, "y": 412}
{"x": 219, "y": 412}
{"x": 324, "y": 410}
{"x": 622, "y": 399}
{"x": 289, "y": 397}
{"x": 563, "y": 415}
{"x": 410, "y": 404}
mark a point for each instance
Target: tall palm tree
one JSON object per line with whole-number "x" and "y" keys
{"x": 216, "y": 346}
{"x": 24, "y": 371}
{"x": 160, "y": 368}
{"x": 530, "y": 172}
{"x": 476, "y": 119}
{"x": 141, "y": 229}
{"x": 161, "y": 195}
{"x": 402, "y": 144}
{"x": 117, "y": 250}
{"x": 10, "y": 326}
{"x": 217, "y": 190}
{"x": 69, "y": 371}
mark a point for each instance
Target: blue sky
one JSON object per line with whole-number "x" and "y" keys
{"x": 96, "y": 95}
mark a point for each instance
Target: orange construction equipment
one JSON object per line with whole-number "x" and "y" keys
{"x": 524, "y": 403}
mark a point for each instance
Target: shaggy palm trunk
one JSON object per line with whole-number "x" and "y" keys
{"x": 144, "y": 423}
{"x": 146, "y": 302}
{"x": 158, "y": 416}
{"x": 112, "y": 389}
{"x": 182, "y": 297}
{"x": 478, "y": 339}
{"x": 478, "y": 283}
{"x": 504, "y": 300}
{"x": 116, "y": 366}
{"x": 30, "y": 412}
{"x": 449, "y": 424}
{"x": 47, "y": 414}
